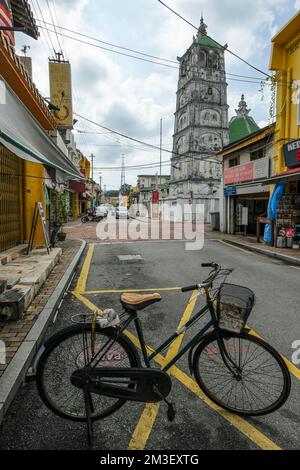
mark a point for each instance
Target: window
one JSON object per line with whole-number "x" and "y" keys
{"x": 257, "y": 154}
{"x": 235, "y": 161}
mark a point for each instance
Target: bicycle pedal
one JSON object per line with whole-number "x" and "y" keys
{"x": 171, "y": 412}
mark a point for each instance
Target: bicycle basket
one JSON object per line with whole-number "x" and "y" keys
{"x": 234, "y": 305}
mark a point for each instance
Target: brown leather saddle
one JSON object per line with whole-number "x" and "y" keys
{"x": 136, "y": 302}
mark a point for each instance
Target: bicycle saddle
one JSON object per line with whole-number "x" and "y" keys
{"x": 137, "y": 302}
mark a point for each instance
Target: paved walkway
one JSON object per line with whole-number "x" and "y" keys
{"x": 14, "y": 333}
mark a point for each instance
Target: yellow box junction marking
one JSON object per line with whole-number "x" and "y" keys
{"x": 144, "y": 427}
{"x": 239, "y": 423}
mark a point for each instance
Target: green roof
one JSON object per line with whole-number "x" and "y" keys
{"x": 240, "y": 127}
{"x": 207, "y": 41}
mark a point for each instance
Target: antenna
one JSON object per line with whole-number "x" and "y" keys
{"x": 24, "y": 49}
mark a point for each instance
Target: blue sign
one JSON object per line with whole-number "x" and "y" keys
{"x": 230, "y": 191}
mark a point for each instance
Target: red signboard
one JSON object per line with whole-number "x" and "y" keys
{"x": 77, "y": 186}
{"x": 155, "y": 197}
{"x": 238, "y": 174}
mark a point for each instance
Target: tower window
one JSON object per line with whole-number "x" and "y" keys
{"x": 210, "y": 91}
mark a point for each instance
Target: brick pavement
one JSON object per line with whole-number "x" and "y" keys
{"x": 13, "y": 333}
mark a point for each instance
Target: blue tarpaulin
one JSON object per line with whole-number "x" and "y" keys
{"x": 272, "y": 210}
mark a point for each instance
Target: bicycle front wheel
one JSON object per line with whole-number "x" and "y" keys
{"x": 262, "y": 385}
{"x": 66, "y": 352}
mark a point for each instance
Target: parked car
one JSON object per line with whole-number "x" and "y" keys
{"x": 101, "y": 211}
{"x": 122, "y": 213}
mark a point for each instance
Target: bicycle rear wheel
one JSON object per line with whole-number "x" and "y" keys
{"x": 263, "y": 385}
{"x": 65, "y": 352}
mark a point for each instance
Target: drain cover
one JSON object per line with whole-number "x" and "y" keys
{"x": 129, "y": 258}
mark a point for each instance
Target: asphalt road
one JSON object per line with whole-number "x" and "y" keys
{"x": 30, "y": 425}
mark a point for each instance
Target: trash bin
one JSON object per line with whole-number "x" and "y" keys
{"x": 215, "y": 220}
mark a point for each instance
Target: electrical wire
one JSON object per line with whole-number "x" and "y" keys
{"x": 110, "y": 50}
{"x": 55, "y": 30}
{"x": 142, "y": 142}
{"x": 110, "y": 44}
{"x": 43, "y": 18}
{"x": 225, "y": 48}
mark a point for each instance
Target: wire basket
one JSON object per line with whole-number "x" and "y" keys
{"x": 234, "y": 305}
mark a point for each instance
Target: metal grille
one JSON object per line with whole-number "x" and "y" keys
{"x": 10, "y": 199}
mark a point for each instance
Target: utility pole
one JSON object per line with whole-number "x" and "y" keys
{"x": 160, "y": 153}
{"x": 92, "y": 158}
{"x": 100, "y": 190}
{"x": 123, "y": 178}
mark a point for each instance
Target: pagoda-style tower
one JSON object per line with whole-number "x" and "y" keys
{"x": 201, "y": 124}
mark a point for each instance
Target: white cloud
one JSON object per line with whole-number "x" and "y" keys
{"x": 131, "y": 96}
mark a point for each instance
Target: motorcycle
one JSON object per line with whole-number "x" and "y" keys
{"x": 91, "y": 216}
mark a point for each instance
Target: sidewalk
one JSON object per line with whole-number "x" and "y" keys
{"x": 250, "y": 243}
{"x": 22, "y": 338}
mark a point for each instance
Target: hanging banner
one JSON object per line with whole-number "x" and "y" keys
{"x": 61, "y": 92}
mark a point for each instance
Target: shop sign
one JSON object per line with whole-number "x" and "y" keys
{"x": 256, "y": 170}
{"x": 292, "y": 154}
{"x": 238, "y": 174}
{"x": 230, "y": 191}
{"x": 61, "y": 92}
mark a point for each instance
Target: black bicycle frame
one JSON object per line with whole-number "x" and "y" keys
{"x": 209, "y": 307}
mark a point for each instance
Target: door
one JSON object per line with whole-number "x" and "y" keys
{"x": 11, "y": 223}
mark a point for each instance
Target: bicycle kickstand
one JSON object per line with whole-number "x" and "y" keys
{"x": 171, "y": 406}
{"x": 89, "y": 422}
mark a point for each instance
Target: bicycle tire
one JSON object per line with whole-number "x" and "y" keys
{"x": 51, "y": 346}
{"x": 210, "y": 347}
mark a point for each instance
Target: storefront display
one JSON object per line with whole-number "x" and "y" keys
{"x": 287, "y": 228}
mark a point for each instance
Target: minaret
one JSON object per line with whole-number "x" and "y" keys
{"x": 201, "y": 122}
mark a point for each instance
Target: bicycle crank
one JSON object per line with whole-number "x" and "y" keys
{"x": 132, "y": 384}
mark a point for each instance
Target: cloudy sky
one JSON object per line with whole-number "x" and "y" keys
{"x": 130, "y": 95}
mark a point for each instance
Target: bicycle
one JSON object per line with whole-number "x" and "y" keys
{"x": 87, "y": 373}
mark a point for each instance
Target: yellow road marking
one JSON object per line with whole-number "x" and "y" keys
{"x": 81, "y": 284}
{"x": 239, "y": 423}
{"x": 123, "y": 291}
{"x": 258, "y": 438}
{"x": 236, "y": 247}
{"x": 146, "y": 422}
{"x": 292, "y": 368}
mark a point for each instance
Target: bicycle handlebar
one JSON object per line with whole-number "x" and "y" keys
{"x": 208, "y": 282}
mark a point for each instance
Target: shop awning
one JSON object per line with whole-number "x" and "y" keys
{"x": 291, "y": 175}
{"x": 22, "y": 135}
{"x": 77, "y": 186}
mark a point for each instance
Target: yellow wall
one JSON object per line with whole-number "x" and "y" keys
{"x": 75, "y": 205}
{"x": 285, "y": 60}
{"x": 33, "y": 192}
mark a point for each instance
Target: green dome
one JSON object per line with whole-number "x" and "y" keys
{"x": 242, "y": 124}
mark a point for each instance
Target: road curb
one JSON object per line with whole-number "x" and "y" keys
{"x": 270, "y": 254}
{"x": 15, "y": 373}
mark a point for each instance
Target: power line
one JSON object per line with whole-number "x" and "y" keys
{"x": 55, "y": 30}
{"x": 43, "y": 18}
{"x": 254, "y": 80}
{"x": 110, "y": 44}
{"x": 225, "y": 48}
{"x": 142, "y": 142}
{"x": 110, "y": 50}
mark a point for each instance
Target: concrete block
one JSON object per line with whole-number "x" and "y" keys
{"x": 14, "y": 302}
